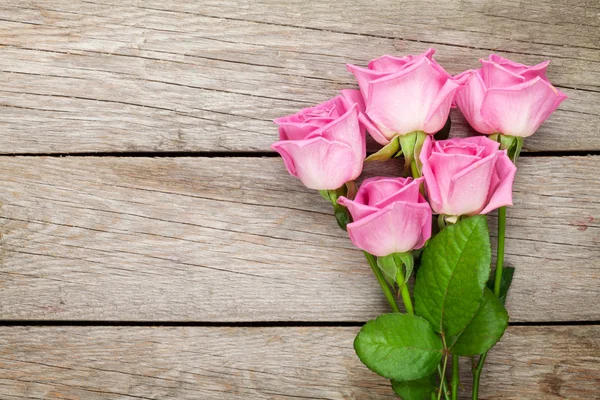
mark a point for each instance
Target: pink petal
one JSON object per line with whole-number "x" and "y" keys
{"x": 468, "y": 190}
{"x": 408, "y": 193}
{"x": 469, "y": 99}
{"x": 296, "y": 130}
{"x": 380, "y": 191}
{"x": 396, "y": 228}
{"x": 495, "y": 75}
{"x": 438, "y": 113}
{"x": 501, "y": 193}
{"x": 508, "y": 64}
{"x": 346, "y": 129}
{"x": 400, "y": 102}
{"x": 536, "y": 70}
{"x": 425, "y": 232}
{"x": 520, "y": 110}
{"x": 319, "y": 163}
{"x": 357, "y": 210}
{"x": 363, "y": 77}
{"x": 380, "y": 135}
{"x": 351, "y": 97}
{"x": 445, "y": 167}
{"x": 391, "y": 64}
{"x": 433, "y": 191}
{"x": 485, "y": 144}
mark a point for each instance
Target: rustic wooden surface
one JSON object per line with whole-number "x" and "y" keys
{"x": 96, "y": 363}
{"x": 211, "y": 75}
{"x": 262, "y": 292}
{"x": 217, "y": 239}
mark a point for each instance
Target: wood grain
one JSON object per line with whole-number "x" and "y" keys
{"x": 237, "y": 239}
{"x": 104, "y": 76}
{"x": 96, "y": 363}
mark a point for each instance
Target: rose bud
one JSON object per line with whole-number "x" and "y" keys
{"x": 390, "y": 216}
{"x": 507, "y": 97}
{"x": 404, "y": 95}
{"x": 467, "y": 176}
{"x": 324, "y": 145}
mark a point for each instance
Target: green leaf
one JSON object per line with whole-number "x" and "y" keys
{"x": 484, "y": 330}
{"x": 390, "y": 150}
{"x": 507, "y": 275}
{"x": 417, "y": 389}
{"x": 399, "y": 346}
{"x": 454, "y": 268}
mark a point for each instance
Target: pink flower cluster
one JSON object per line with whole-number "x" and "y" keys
{"x": 324, "y": 146}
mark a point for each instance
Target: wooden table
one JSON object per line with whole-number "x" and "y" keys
{"x": 153, "y": 247}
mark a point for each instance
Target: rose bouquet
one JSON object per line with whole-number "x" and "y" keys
{"x": 456, "y": 308}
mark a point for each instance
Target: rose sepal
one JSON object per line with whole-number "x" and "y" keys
{"x": 512, "y": 144}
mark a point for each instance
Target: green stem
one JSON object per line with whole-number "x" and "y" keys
{"x": 477, "y": 374}
{"x": 404, "y": 292}
{"x": 497, "y": 284}
{"x": 443, "y": 380}
{"x": 384, "y": 286}
{"x": 444, "y": 384}
{"x": 500, "y": 249}
{"x": 455, "y": 377}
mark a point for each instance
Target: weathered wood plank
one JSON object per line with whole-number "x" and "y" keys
{"x": 220, "y": 239}
{"x": 95, "y": 363}
{"x": 210, "y": 76}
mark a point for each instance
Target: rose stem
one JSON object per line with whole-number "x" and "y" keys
{"x": 404, "y": 291}
{"x": 455, "y": 377}
{"x": 477, "y": 374}
{"x": 384, "y": 286}
{"x": 497, "y": 282}
{"x": 500, "y": 250}
{"x": 443, "y": 379}
{"x": 444, "y": 384}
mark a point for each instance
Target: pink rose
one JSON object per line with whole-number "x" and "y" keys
{"x": 404, "y": 95}
{"x": 507, "y": 97}
{"x": 390, "y": 216}
{"x": 467, "y": 176}
{"x": 324, "y": 145}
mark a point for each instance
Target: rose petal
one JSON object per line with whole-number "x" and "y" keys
{"x": 391, "y": 64}
{"x": 536, "y": 70}
{"x": 501, "y": 193}
{"x": 351, "y": 97}
{"x": 394, "y": 229}
{"x": 296, "y": 130}
{"x": 319, "y": 163}
{"x": 363, "y": 77}
{"x": 519, "y": 110}
{"x": 400, "y": 102}
{"x": 469, "y": 99}
{"x": 438, "y": 113}
{"x": 356, "y": 209}
{"x": 380, "y": 135}
{"x": 495, "y": 75}
{"x": 468, "y": 189}
{"x": 444, "y": 168}
{"x": 346, "y": 130}
{"x": 433, "y": 191}
{"x": 508, "y": 64}
{"x": 408, "y": 193}
{"x": 380, "y": 191}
